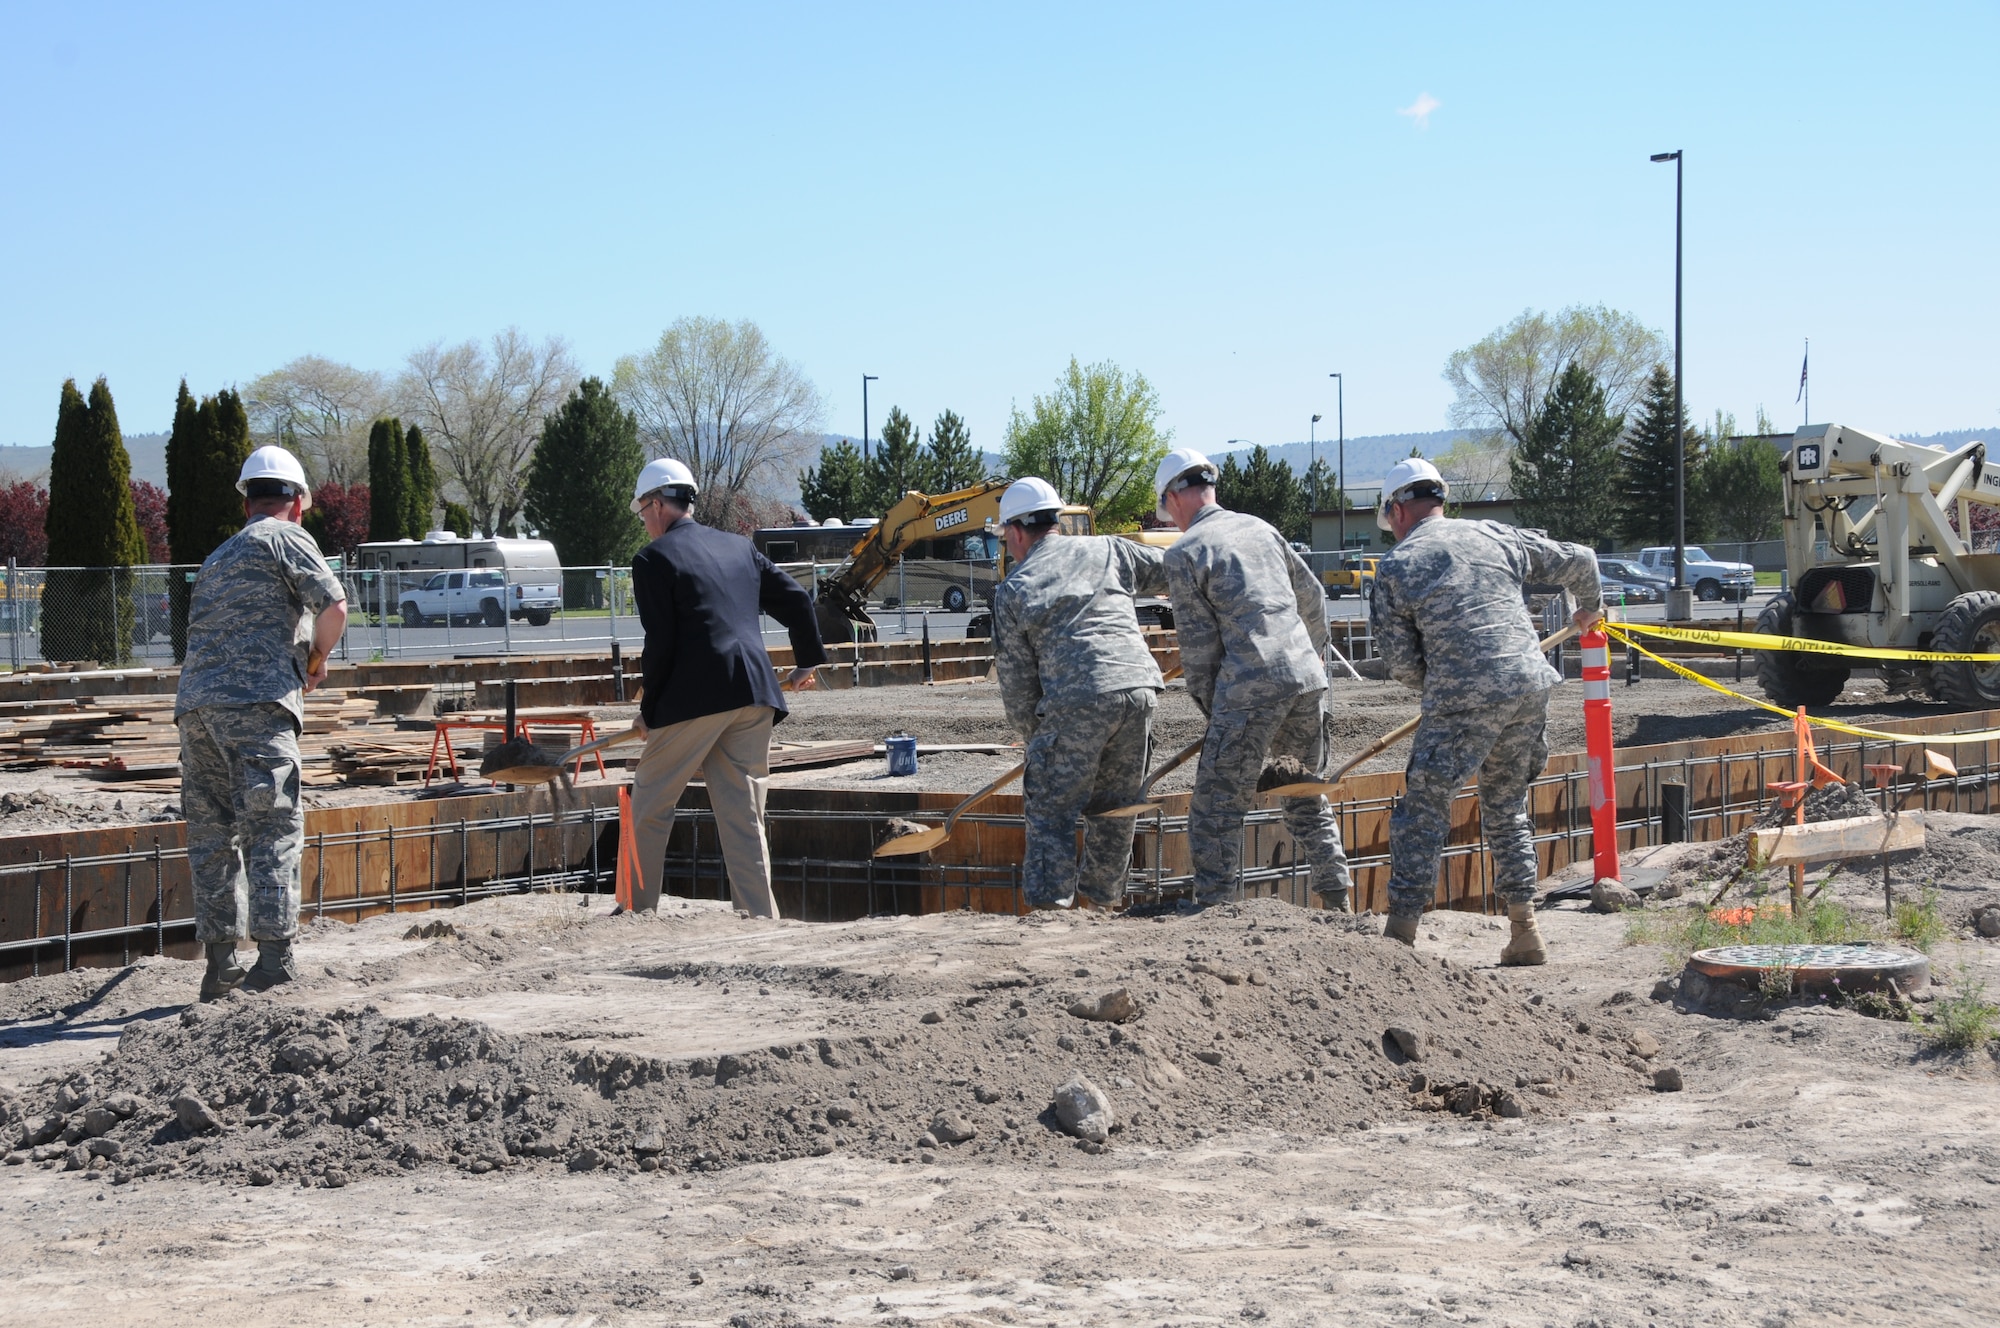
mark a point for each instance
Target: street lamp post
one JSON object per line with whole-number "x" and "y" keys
{"x": 1680, "y": 434}
{"x": 1312, "y": 463}
{"x": 1340, "y": 475}
{"x": 866, "y": 379}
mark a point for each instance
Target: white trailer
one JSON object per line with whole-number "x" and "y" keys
{"x": 522, "y": 578}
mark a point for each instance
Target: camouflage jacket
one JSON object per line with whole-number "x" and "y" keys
{"x": 1250, "y": 615}
{"x": 1064, "y": 629}
{"x": 1449, "y": 615}
{"x": 250, "y": 626}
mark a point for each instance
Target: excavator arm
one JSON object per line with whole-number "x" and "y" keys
{"x": 842, "y": 606}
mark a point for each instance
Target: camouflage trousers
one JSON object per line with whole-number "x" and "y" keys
{"x": 1083, "y": 758}
{"x": 246, "y": 828}
{"x": 1237, "y": 747}
{"x": 1507, "y": 743}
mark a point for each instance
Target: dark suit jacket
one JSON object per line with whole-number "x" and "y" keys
{"x": 699, "y": 592}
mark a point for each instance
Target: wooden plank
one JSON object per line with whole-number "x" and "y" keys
{"x": 1836, "y": 841}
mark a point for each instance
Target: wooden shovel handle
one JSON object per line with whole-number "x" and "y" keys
{"x": 1002, "y": 782}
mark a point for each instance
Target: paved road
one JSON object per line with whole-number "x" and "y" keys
{"x": 594, "y": 633}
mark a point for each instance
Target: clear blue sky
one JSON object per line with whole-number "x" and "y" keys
{"x": 958, "y": 199}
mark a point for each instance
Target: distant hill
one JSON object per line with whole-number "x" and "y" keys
{"x": 1368, "y": 456}
{"x": 147, "y": 450}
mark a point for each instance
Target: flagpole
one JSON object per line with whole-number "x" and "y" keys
{"x": 1805, "y": 379}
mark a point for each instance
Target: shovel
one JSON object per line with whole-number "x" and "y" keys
{"x": 922, "y": 841}
{"x": 1178, "y": 760}
{"x": 518, "y": 761}
{"x": 1318, "y": 788}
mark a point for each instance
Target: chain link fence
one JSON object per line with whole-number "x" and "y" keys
{"x": 135, "y": 617}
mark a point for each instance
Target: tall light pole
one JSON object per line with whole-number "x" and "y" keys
{"x": 1312, "y": 465}
{"x": 1680, "y": 435}
{"x": 866, "y": 379}
{"x": 1340, "y": 476}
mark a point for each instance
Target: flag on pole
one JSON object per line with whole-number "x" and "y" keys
{"x": 1802, "y": 373}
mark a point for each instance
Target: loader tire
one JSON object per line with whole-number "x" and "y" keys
{"x": 1789, "y": 678}
{"x": 1969, "y": 624}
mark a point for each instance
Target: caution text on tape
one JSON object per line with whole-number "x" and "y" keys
{"x": 1802, "y": 644}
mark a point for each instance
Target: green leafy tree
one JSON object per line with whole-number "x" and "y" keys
{"x": 205, "y": 455}
{"x": 420, "y": 493}
{"x": 1565, "y": 473}
{"x": 1645, "y": 507}
{"x": 1096, "y": 437}
{"x": 458, "y": 518}
{"x": 837, "y": 487}
{"x": 950, "y": 460}
{"x": 1501, "y": 382}
{"x": 1264, "y": 487}
{"x": 895, "y": 465}
{"x": 1742, "y": 490}
{"x": 93, "y": 528}
{"x": 389, "y": 482}
{"x": 579, "y": 488}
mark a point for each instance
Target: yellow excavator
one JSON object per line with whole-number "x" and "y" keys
{"x": 924, "y": 526}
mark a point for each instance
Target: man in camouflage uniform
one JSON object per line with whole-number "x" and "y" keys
{"x": 1451, "y": 621}
{"x": 1252, "y": 624}
{"x": 1080, "y": 684}
{"x": 250, "y": 650}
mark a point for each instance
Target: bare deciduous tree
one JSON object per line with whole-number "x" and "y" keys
{"x": 321, "y": 409}
{"x": 715, "y": 396}
{"x": 1503, "y": 380}
{"x": 481, "y": 408}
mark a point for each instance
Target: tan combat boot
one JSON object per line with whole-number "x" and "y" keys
{"x": 1525, "y": 947}
{"x": 1402, "y": 927}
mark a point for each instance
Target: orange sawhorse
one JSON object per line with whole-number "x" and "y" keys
{"x": 442, "y": 728}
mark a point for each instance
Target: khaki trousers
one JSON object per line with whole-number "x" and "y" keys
{"x": 732, "y": 753}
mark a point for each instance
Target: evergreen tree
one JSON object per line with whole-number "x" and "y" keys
{"x": 421, "y": 495}
{"x": 837, "y": 487}
{"x": 951, "y": 462}
{"x": 895, "y": 466}
{"x": 389, "y": 482}
{"x": 1264, "y": 487}
{"x": 458, "y": 518}
{"x": 1645, "y": 508}
{"x": 205, "y": 455}
{"x": 579, "y": 486}
{"x": 92, "y": 528}
{"x": 1565, "y": 472}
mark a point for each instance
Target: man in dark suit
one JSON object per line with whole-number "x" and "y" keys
{"x": 711, "y": 694}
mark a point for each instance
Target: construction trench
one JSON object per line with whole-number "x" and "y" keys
{"x": 847, "y": 1117}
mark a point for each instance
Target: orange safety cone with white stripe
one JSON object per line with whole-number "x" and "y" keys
{"x": 1598, "y": 750}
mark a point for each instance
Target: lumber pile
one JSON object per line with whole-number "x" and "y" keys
{"x": 132, "y": 737}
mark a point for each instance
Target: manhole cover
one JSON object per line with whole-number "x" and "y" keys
{"x": 1815, "y": 969}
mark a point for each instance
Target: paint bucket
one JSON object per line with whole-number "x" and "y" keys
{"x": 902, "y": 751}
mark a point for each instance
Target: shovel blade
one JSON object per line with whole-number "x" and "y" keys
{"x": 526, "y": 774}
{"x": 921, "y": 842}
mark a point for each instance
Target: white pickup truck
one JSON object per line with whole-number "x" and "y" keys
{"x": 481, "y": 596}
{"x": 1711, "y": 578}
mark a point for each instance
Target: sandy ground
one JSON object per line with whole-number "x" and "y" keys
{"x": 1820, "y": 1166}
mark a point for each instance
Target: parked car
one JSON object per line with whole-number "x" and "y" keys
{"x": 1618, "y": 590}
{"x": 529, "y": 585}
{"x": 1711, "y": 578}
{"x": 1355, "y": 575}
{"x": 1626, "y": 569}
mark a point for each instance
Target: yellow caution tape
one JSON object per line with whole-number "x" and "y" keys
{"x": 1618, "y": 632}
{"x": 1806, "y": 645}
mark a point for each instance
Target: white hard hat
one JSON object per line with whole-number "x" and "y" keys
{"x": 1173, "y": 467}
{"x": 274, "y": 464}
{"x": 665, "y": 473}
{"x": 1027, "y": 496}
{"x": 1408, "y": 478}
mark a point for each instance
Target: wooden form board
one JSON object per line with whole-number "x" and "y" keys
{"x": 1836, "y": 841}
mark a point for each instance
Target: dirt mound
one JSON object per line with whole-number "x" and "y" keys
{"x": 1257, "y": 1014}
{"x": 1707, "y": 868}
